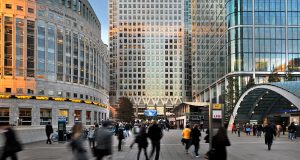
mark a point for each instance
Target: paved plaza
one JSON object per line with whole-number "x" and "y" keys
{"x": 242, "y": 148}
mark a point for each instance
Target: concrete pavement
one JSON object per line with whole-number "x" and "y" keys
{"x": 242, "y": 148}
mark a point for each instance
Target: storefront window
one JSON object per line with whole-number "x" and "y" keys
{"x": 25, "y": 116}
{"x": 77, "y": 116}
{"x": 88, "y": 117}
{"x": 4, "y": 116}
{"x": 45, "y": 116}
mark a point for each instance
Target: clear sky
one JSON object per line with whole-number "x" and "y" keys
{"x": 101, "y": 9}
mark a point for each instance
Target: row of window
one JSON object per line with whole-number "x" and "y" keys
{"x": 25, "y": 116}
{"x": 149, "y": 12}
{"x": 19, "y": 8}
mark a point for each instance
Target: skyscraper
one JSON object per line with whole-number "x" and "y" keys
{"x": 147, "y": 58}
{"x": 262, "y": 43}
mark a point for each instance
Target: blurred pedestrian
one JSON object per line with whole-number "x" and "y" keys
{"x": 155, "y": 134}
{"x": 103, "y": 141}
{"x": 259, "y": 130}
{"x": 292, "y": 131}
{"x": 77, "y": 143}
{"x": 283, "y": 128}
{"x": 206, "y": 138}
{"x": 233, "y": 128}
{"x": 270, "y": 132}
{"x": 49, "y": 131}
{"x": 141, "y": 140}
{"x": 11, "y": 145}
{"x": 239, "y": 129}
{"x": 195, "y": 135}
{"x": 219, "y": 143}
{"x": 278, "y": 130}
{"x": 91, "y": 137}
{"x": 186, "y": 137}
{"x": 202, "y": 125}
{"x": 121, "y": 136}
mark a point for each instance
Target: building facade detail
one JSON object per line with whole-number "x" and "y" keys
{"x": 52, "y": 49}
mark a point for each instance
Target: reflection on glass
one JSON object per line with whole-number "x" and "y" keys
{"x": 41, "y": 50}
{"x": 19, "y": 47}
{"x": 51, "y": 53}
{"x": 8, "y": 46}
{"x": 60, "y": 53}
{"x": 68, "y": 56}
{"x": 30, "y": 48}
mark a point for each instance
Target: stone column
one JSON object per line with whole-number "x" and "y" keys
{"x": 71, "y": 115}
{"x": 13, "y": 114}
{"x": 93, "y": 116}
{"x": 83, "y": 117}
{"x": 54, "y": 116}
{"x": 35, "y": 116}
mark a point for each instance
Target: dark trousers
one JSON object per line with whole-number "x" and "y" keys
{"x": 120, "y": 144}
{"x": 145, "y": 152}
{"x": 155, "y": 147}
{"x": 269, "y": 142}
{"x": 13, "y": 156}
{"x": 92, "y": 142}
{"x": 48, "y": 139}
{"x": 187, "y": 143}
{"x": 196, "y": 144}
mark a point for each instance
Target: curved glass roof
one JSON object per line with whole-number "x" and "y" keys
{"x": 260, "y": 102}
{"x": 290, "y": 86}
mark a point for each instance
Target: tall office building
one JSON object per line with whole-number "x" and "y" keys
{"x": 262, "y": 40}
{"x": 147, "y": 59}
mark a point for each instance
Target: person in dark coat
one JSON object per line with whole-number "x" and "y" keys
{"x": 120, "y": 136}
{"x": 12, "y": 145}
{"x": 195, "y": 135}
{"x": 49, "y": 131}
{"x": 219, "y": 143}
{"x": 155, "y": 134}
{"x": 141, "y": 140}
{"x": 270, "y": 132}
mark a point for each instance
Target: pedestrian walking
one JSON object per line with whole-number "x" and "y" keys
{"x": 195, "y": 135}
{"x": 77, "y": 143}
{"x": 254, "y": 129}
{"x": 283, "y": 128}
{"x": 11, "y": 145}
{"x": 103, "y": 138}
{"x": 239, "y": 129}
{"x": 233, "y": 128}
{"x": 186, "y": 137}
{"x": 49, "y": 131}
{"x": 270, "y": 132}
{"x": 155, "y": 134}
{"x": 278, "y": 130}
{"x": 206, "y": 138}
{"x": 121, "y": 136}
{"x": 248, "y": 130}
{"x": 141, "y": 140}
{"x": 292, "y": 131}
{"x": 259, "y": 130}
{"x": 202, "y": 125}
{"x": 219, "y": 143}
{"x": 91, "y": 137}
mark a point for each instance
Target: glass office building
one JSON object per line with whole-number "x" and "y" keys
{"x": 262, "y": 40}
{"x": 53, "y": 63}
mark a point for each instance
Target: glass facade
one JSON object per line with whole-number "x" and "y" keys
{"x": 260, "y": 38}
{"x": 19, "y": 47}
{"x": 30, "y": 48}
{"x": 8, "y": 53}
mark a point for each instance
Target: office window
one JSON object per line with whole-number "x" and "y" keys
{"x": 30, "y": 10}
{"x": 20, "y": 8}
{"x": 8, "y": 6}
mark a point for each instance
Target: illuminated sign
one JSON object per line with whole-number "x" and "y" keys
{"x": 150, "y": 113}
{"x": 59, "y": 99}
{"x": 23, "y": 97}
{"x": 217, "y": 106}
{"x": 41, "y": 98}
{"x": 217, "y": 114}
{"x": 88, "y": 102}
{"x": 4, "y": 96}
{"x": 75, "y": 100}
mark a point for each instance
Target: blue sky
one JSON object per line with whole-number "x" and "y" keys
{"x": 101, "y": 9}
